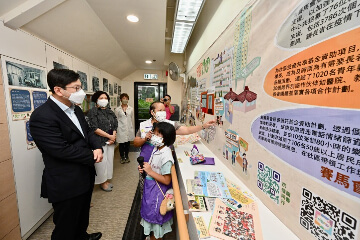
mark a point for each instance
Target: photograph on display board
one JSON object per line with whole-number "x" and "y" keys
{"x": 25, "y": 76}
{"x": 96, "y": 84}
{"x": 111, "y": 90}
{"x": 59, "y": 66}
{"x": 118, "y": 101}
{"x": 105, "y": 85}
{"x": 83, "y": 80}
{"x": 115, "y": 88}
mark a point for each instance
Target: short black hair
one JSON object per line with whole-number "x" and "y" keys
{"x": 61, "y": 78}
{"x": 167, "y": 130}
{"x": 167, "y": 95}
{"x": 124, "y": 95}
{"x": 97, "y": 94}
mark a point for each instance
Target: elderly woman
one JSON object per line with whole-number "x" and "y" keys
{"x": 125, "y": 133}
{"x": 104, "y": 123}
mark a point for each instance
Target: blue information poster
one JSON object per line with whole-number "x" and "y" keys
{"x": 20, "y": 104}
{"x": 39, "y": 98}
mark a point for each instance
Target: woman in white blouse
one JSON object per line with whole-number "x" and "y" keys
{"x": 125, "y": 131}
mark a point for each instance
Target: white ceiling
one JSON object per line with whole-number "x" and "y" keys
{"x": 98, "y": 32}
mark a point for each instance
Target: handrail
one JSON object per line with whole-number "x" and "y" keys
{"x": 180, "y": 216}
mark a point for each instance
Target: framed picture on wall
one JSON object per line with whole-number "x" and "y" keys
{"x": 83, "y": 80}
{"x": 59, "y": 66}
{"x": 25, "y": 75}
{"x": 95, "y": 82}
{"x": 111, "y": 92}
{"x": 105, "y": 85}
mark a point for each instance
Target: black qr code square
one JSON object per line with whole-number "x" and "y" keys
{"x": 324, "y": 220}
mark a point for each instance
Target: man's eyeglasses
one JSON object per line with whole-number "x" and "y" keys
{"x": 77, "y": 88}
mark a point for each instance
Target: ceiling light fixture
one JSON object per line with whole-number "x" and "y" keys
{"x": 132, "y": 18}
{"x": 148, "y": 61}
{"x": 187, "y": 13}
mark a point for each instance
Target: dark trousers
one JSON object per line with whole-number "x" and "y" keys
{"x": 124, "y": 149}
{"x": 71, "y": 217}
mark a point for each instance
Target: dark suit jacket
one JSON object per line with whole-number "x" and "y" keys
{"x": 67, "y": 154}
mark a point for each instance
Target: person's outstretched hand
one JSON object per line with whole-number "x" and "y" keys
{"x": 209, "y": 123}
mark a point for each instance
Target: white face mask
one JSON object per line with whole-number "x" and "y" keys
{"x": 77, "y": 97}
{"x": 124, "y": 101}
{"x": 156, "y": 141}
{"x": 160, "y": 116}
{"x": 102, "y": 102}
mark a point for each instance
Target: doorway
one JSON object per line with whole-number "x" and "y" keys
{"x": 144, "y": 95}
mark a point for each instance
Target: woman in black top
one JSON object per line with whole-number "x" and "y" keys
{"x": 104, "y": 123}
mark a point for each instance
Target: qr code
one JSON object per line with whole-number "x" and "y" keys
{"x": 268, "y": 180}
{"x": 324, "y": 220}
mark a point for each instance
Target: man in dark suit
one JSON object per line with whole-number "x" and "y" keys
{"x": 70, "y": 150}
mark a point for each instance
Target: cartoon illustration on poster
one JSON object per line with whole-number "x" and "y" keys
{"x": 241, "y": 158}
{"x": 228, "y": 102}
{"x": 231, "y": 147}
{"x": 208, "y": 101}
{"x": 221, "y": 69}
{"x": 241, "y": 40}
{"x": 193, "y": 98}
{"x": 245, "y": 101}
{"x": 324, "y": 220}
{"x": 208, "y": 134}
{"x": 321, "y": 142}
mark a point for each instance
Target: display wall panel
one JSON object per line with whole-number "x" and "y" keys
{"x": 21, "y": 80}
{"x": 287, "y": 98}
